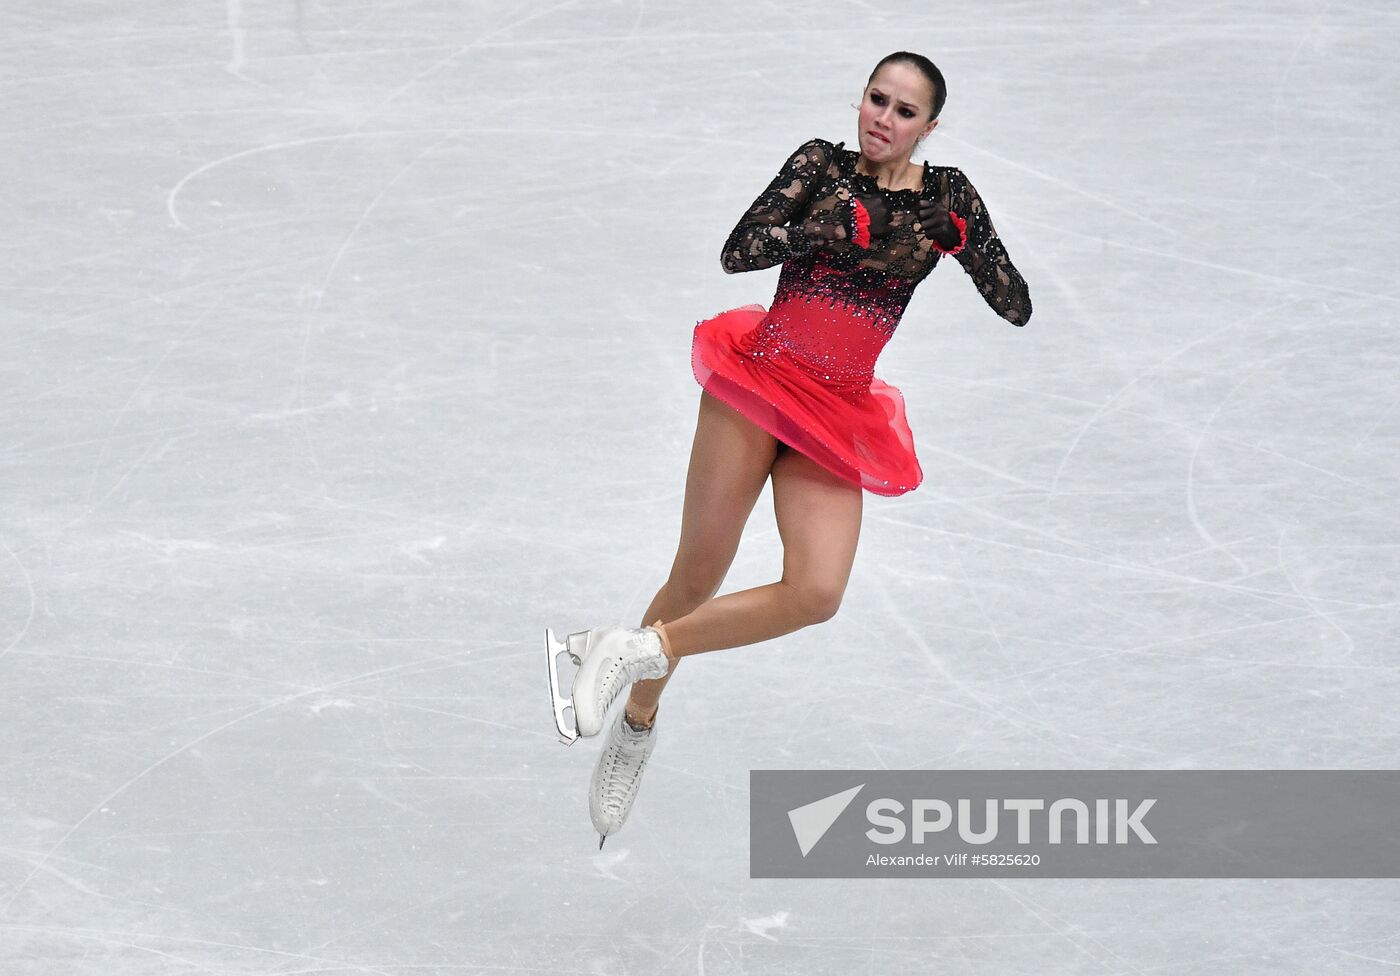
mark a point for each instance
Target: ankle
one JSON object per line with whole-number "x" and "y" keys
{"x": 639, "y": 718}
{"x": 660, "y": 629}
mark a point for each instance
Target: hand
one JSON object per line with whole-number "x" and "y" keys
{"x": 932, "y": 217}
{"x": 881, "y": 220}
{"x": 937, "y": 223}
{"x": 829, "y": 215}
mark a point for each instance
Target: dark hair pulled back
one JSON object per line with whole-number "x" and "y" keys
{"x": 927, "y": 68}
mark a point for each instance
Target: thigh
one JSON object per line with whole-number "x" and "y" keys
{"x": 729, "y": 463}
{"x": 818, "y": 515}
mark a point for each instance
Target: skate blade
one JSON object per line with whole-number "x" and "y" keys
{"x": 568, "y": 728}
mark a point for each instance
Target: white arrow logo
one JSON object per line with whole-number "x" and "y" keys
{"x": 811, "y": 821}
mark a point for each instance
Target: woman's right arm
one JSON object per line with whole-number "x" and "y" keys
{"x": 766, "y": 235}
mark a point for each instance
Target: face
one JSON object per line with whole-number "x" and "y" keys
{"x": 896, "y": 105}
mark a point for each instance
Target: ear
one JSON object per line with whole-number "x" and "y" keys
{"x": 931, "y": 127}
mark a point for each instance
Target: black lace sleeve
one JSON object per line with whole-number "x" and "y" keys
{"x": 985, "y": 258}
{"x": 772, "y": 230}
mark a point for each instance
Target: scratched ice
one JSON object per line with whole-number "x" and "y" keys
{"x": 346, "y": 347}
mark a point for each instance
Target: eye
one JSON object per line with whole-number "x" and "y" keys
{"x": 908, "y": 113}
{"x": 877, "y": 99}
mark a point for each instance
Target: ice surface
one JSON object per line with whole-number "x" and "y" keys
{"x": 346, "y": 347}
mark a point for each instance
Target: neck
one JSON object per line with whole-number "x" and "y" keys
{"x": 887, "y": 174}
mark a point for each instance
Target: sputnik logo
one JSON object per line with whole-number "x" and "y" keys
{"x": 811, "y": 821}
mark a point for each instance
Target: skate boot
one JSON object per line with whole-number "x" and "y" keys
{"x": 609, "y": 659}
{"x": 618, "y": 774}
{"x": 614, "y": 658}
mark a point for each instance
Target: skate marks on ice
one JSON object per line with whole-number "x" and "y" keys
{"x": 1129, "y": 556}
{"x": 606, "y": 862}
{"x": 762, "y": 926}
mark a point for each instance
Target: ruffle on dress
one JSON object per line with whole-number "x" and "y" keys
{"x": 804, "y": 373}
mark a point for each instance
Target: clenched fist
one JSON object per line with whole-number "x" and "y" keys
{"x": 935, "y": 221}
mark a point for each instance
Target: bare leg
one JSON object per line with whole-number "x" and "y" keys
{"x": 730, "y": 460}
{"x": 819, "y": 518}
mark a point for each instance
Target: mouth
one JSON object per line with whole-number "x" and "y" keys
{"x": 875, "y": 135}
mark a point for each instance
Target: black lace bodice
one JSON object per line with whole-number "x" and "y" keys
{"x": 792, "y": 221}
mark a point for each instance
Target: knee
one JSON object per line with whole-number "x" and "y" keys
{"x": 693, "y": 588}
{"x": 818, "y": 602}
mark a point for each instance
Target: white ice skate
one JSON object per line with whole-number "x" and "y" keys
{"x": 609, "y": 659}
{"x": 618, "y": 775}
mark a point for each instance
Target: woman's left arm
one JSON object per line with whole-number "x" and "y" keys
{"x": 985, "y": 258}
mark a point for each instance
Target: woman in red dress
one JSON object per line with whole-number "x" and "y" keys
{"x": 789, "y": 393}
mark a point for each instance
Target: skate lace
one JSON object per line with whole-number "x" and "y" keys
{"x": 610, "y": 685}
{"x": 625, "y": 769}
{"x": 631, "y": 669}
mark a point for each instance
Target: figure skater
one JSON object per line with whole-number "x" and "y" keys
{"x": 789, "y": 393}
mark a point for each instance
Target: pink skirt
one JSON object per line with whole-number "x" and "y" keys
{"x": 842, "y": 416}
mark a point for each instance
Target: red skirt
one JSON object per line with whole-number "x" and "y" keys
{"x": 806, "y": 376}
